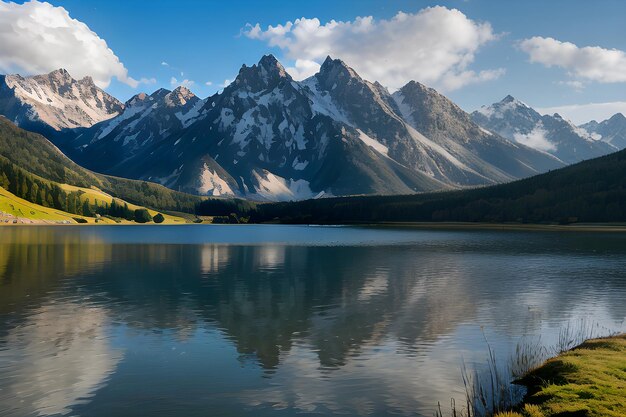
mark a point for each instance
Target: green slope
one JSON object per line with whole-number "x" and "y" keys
{"x": 587, "y": 381}
{"x": 590, "y": 191}
{"x": 31, "y": 167}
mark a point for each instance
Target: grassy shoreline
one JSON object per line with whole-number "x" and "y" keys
{"x": 586, "y": 381}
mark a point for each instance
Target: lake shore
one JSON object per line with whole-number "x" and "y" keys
{"x": 582, "y": 227}
{"x": 587, "y": 381}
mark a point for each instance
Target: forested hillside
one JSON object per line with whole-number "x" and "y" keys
{"x": 35, "y": 170}
{"x": 591, "y": 191}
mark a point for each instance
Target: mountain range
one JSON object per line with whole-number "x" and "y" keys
{"x": 612, "y": 131}
{"x": 552, "y": 134}
{"x": 55, "y": 101}
{"x": 269, "y": 137}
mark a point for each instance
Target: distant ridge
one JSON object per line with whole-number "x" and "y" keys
{"x": 552, "y": 134}
{"x": 55, "y": 101}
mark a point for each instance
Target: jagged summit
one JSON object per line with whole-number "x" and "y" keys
{"x": 611, "y": 130}
{"x": 160, "y": 93}
{"x": 137, "y": 98}
{"x": 180, "y": 96}
{"x": 417, "y": 87}
{"x": 55, "y": 101}
{"x": 270, "y": 63}
{"x": 508, "y": 99}
{"x": 553, "y": 134}
{"x": 264, "y": 75}
{"x": 60, "y": 73}
{"x": 335, "y": 70}
{"x": 88, "y": 80}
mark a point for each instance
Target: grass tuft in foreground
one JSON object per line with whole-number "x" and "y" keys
{"x": 587, "y": 381}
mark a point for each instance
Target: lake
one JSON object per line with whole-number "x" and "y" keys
{"x": 268, "y": 320}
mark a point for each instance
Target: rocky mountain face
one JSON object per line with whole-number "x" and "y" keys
{"x": 55, "y": 101}
{"x": 265, "y": 137}
{"x": 268, "y": 137}
{"x": 447, "y": 125}
{"x": 612, "y": 131}
{"x": 551, "y": 134}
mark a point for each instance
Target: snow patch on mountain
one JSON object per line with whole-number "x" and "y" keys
{"x": 321, "y": 101}
{"x": 500, "y": 110}
{"x": 485, "y": 131}
{"x": 373, "y": 143}
{"x": 274, "y": 188}
{"x": 299, "y": 165}
{"x": 584, "y": 134}
{"x": 212, "y": 184}
{"x": 192, "y": 114}
{"x": 404, "y": 107}
{"x": 128, "y": 113}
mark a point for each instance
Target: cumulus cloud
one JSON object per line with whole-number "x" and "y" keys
{"x": 37, "y": 38}
{"x": 303, "y": 68}
{"x": 174, "y": 82}
{"x": 435, "y": 46}
{"x": 591, "y": 63}
{"x": 582, "y": 113}
{"x": 208, "y": 83}
{"x": 164, "y": 64}
{"x": 535, "y": 139}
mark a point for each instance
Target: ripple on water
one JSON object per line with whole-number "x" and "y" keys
{"x": 348, "y": 321}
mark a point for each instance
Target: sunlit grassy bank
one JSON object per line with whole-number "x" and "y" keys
{"x": 587, "y": 381}
{"x": 16, "y": 210}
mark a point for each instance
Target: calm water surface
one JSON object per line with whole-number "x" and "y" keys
{"x": 280, "y": 320}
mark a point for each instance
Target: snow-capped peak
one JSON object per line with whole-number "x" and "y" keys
{"x": 61, "y": 76}
{"x": 507, "y": 105}
{"x": 335, "y": 70}
{"x": 137, "y": 98}
{"x": 57, "y": 100}
{"x": 262, "y": 76}
{"x": 180, "y": 96}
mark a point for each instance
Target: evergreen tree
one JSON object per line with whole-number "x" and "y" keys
{"x": 87, "y": 209}
{"x": 4, "y": 181}
{"x": 71, "y": 203}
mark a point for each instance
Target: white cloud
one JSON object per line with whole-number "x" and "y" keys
{"x": 582, "y": 113}
{"x": 174, "y": 82}
{"x": 226, "y": 83}
{"x": 165, "y": 64}
{"x": 37, "y": 38}
{"x": 434, "y": 46}
{"x": 535, "y": 139}
{"x": 147, "y": 81}
{"x": 576, "y": 85}
{"x": 208, "y": 83}
{"x": 303, "y": 68}
{"x": 591, "y": 63}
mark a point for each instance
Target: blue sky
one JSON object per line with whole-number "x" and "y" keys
{"x": 202, "y": 41}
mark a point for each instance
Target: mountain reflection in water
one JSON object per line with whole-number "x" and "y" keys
{"x": 284, "y": 321}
